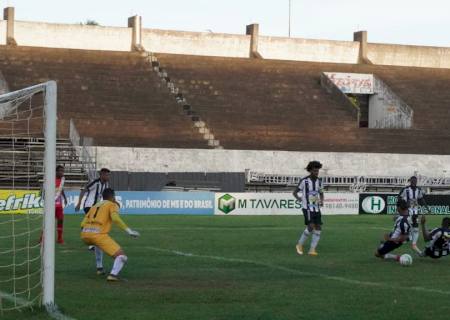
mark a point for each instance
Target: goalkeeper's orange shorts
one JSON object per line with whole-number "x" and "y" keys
{"x": 102, "y": 241}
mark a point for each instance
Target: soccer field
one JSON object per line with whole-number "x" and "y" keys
{"x": 230, "y": 267}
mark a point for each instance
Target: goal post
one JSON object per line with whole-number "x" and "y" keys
{"x": 48, "y": 257}
{"x": 28, "y": 133}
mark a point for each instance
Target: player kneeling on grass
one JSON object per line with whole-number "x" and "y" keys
{"x": 400, "y": 234}
{"x": 309, "y": 193}
{"x": 95, "y": 228}
{"x": 438, "y": 239}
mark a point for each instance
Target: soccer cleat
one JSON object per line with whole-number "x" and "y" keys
{"x": 112, "y": 278}
{"x": 313, "y": 253}
{"x": 100, "y": 272}
{"x": 91, "y": 248}
{"x": 299, "y": 248}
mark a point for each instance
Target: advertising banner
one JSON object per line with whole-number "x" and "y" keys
{"x": 208, "y": 203}
{"x": 280, "y": 204}
{"x": 386, "y": 203}
{"x": 147, "y": 203}
{"x": 340, "y": 203}
{"x": 21, "y": 202}
{"x": 352, "y": 82}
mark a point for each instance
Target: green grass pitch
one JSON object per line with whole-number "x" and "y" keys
{"x": 230, "y": 267}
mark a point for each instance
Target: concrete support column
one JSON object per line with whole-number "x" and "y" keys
{"x": 253, "y": 31}
{"x": 361, "y": 37}
{"x": 8, "y": 15}
{"x": 135, "y": 23}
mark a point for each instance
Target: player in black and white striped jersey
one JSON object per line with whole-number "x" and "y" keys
{"x": 398, "y": 236}
{"x": 414, "y": 196}
{"x": 310, "y": 193}
{"x": 94, "y": 190}
{"x": 438, "y": 239}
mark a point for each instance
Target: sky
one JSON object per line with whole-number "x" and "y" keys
{"x": 387, "y": 21}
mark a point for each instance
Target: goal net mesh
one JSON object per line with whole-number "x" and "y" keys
{"x": 22, "y": 146}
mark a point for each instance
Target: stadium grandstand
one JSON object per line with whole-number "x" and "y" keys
{"x": 193, "y": 161}
{"x": 164, "y": 96}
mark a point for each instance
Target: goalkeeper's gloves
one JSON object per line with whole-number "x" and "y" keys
{"x": 132, "y": 233}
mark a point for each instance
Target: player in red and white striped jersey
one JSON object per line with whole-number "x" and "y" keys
{"x": 60, "y": 201}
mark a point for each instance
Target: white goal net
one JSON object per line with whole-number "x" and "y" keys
{"x": 27, "y": 191}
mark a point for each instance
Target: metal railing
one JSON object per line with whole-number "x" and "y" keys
{"x": 85, "y": 151}
{"x": 354, "y": 183}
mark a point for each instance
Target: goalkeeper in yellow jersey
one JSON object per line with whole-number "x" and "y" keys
{"x": 95, "y": 228}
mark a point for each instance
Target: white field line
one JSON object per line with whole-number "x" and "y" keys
{"x": 53, "y": 312}
{"x": 302, "y": 273}
{"x": 56, "y": 314}
{"x": 16, "y": 300}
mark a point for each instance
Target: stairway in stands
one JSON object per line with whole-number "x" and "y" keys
{"x": 181, "y": 100}
{"x": 22, "y": 163}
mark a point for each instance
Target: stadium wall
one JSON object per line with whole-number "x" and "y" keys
{"x": 156, "y": 181}
{"x": 3, "y": 31}
{"x": 72, "y": 36}
{"x": 196, "y": 43}
{"x": 76, "y": 36}
{"x": 276, "y": 162}
{"x": 308, "y": 50}
{"x": 412, "y": 56}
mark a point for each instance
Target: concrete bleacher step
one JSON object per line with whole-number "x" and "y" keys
{"x": 209, "y": 136}
{"x": 199, "y": 124}
{"x": 92, "y": 84}
{"x": 248, "y": 112}
{"x": 23, "y": 167}
{"x": 166, "y": 100}
{"x": 214, "y": 143}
